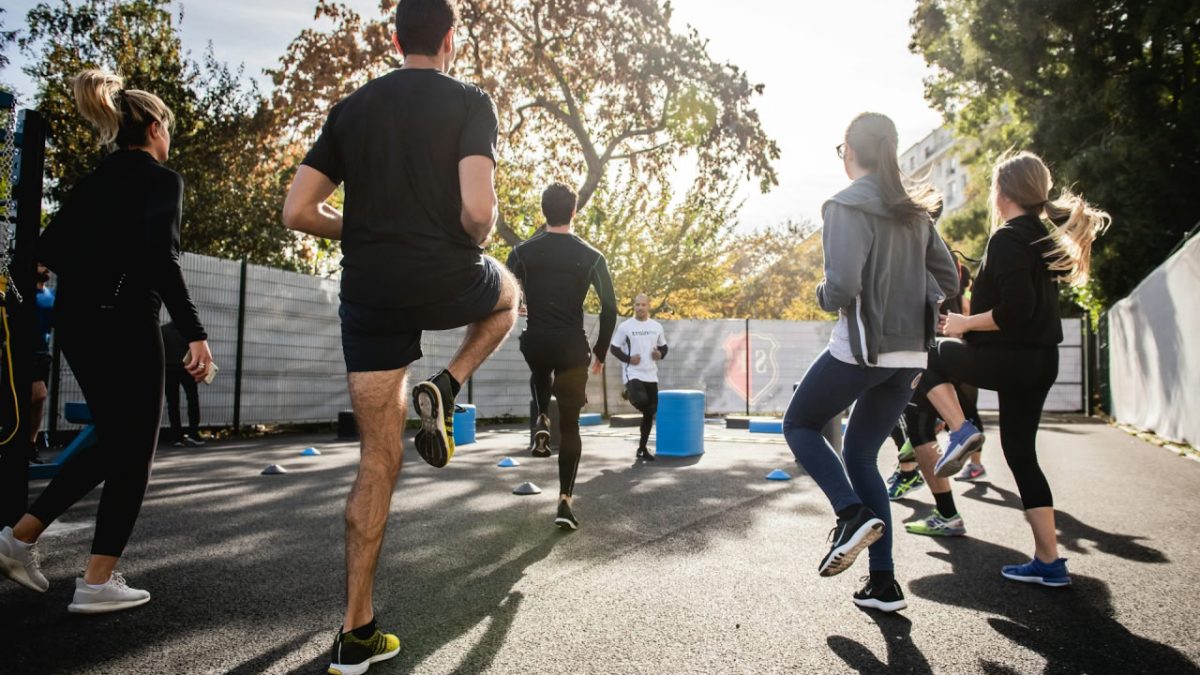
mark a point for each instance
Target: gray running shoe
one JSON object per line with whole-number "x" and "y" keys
{"x": 21, "y": 563}
{"x": 114, "y": 596}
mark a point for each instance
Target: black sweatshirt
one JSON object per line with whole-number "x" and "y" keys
{"x": 1016, "y": 284}
{"x": 114, "y": 244}
{"x": 555, "y": 271}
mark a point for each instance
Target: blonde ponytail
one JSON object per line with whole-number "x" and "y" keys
{"x": 1024, "y": 178}
{"x": 121, "y": 116}
{"x": 95, "y": 96}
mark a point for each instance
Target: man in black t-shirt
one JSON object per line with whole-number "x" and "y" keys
{"x": 415, "y": 151}
{"x": 555, "y": 269}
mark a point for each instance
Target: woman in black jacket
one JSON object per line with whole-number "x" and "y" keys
{"x": 1012, "y": 336}
{"x": 115, "y": 248}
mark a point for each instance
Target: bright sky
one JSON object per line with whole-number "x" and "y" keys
{"x": 821, "y": 62}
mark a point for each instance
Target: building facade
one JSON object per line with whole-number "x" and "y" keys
{"x": 934, "y": 158}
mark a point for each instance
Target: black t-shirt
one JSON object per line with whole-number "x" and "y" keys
{"x": 395, "y": 144}
{"x": 555, "y": 271}
{"x": 1015, "y": 283}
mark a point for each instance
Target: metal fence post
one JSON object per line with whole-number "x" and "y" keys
{"x": 747, "y": 366}
{"x": 241, "y": 333}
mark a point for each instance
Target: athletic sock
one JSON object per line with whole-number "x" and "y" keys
{"x": 366, "y": 631}
{"x": 881, "y": 578}
{"x": 849, "y": 512}
{"x": 945, "y": 504}
{"x": 908, "y": 475}
{"x": 22, "y": 544}
{"x": 96, "y": 587}
{"x": 454, "y": 385}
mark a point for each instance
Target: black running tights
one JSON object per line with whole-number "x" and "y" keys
{"x": 569, "y": 386}
{"x": 644, "y": 397}
{"x": 1021, "y": 377}
{"x": 118, "y": 362}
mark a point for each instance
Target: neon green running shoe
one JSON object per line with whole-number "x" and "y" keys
{"x": 898, "y": 486}
{"x": 937, "y": 525}
{"x": 353, "y": 656}
{"x": 907, "y": 453}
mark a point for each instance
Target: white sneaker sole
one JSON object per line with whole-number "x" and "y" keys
{"x": 875, "y": 603}
{"x": 565, "y": 524}
{"x": 841, "y": 558}
{"x": 360, "y": 668}
{"x": 1041, "y": 581}
{"x": 13, "y": 569}
{"x": 955, "y": 458}
{"x": 105, "y": 607}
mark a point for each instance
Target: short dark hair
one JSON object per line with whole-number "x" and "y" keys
{"x": 558, "y": 204}
{"x": 422, "y": 24}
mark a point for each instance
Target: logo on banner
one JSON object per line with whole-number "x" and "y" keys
{"x": 764, "y": 370}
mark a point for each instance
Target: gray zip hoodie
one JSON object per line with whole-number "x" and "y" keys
{"x": 886, "y": 279}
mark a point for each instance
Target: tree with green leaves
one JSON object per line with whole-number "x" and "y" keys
{"x": 222, "y": 142}
{"x": 1108, "y": 93}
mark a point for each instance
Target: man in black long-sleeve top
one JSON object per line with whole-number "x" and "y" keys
{"x": 556, "y": 268}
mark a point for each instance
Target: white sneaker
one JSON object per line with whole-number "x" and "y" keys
{"x": 21, "y": 563}
{"x": 113, "y": 596}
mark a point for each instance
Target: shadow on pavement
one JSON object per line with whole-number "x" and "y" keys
{"x": 902, "y": 655}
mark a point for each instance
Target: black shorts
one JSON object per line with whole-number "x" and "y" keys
{"x": 41, "y": 366}
{"x": 377, "y": 338}
{"x": 643, "y": 396}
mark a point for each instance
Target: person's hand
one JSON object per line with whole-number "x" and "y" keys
{"x": 597, "y": 366}
{"x": 656, "y": 355}
{"x": 199, "y": 360}
{"x": 635, "y": 359}
{"x": 954, "y": 325}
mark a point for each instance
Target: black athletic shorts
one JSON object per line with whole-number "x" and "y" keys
{"x": 376, "y": 338}
{"x": 41, "y": 366}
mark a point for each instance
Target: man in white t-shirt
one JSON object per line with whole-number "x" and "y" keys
{"x": 639, "y": 343}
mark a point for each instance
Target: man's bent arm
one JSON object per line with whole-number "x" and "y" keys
{"x": 305, "y": 209}
{"x": 477, "y": 182}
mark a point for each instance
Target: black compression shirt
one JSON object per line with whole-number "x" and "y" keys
{"x": 114, "y": 244}
{"x": 395, "y": 144}
{"x": 555, "y": 271}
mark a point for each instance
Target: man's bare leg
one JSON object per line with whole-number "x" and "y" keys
{"x": 485, "y": 336}
{"x": 379, "y": 408}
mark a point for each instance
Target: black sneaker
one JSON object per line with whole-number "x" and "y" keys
{"x": 541, "y": 437}
{"x": 353, "y": 656}
{"x": 850, "y": 537}
{"x": 886, "y": 597}
{"x": 644, "y": 454}
{"x": 192, "y": 442}
{"x": 565, "y": 519}
{"x": 435, "y": 404}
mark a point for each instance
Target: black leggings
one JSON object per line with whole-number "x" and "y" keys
{"x": 117, "y": 359}
{"x": 177, "y": 377}
{"x": 1021, "y": 377}
{"x": 644, "y": 397}
{"x": 558, "y": 365}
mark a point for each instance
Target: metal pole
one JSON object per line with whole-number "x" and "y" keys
{"x": 747, "y": 366}
{"x": 241, "y": 334}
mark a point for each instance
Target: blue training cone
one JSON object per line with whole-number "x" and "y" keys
{"x": 310, "y": 452}
{"x": 779, "y": 474}
{"x": 508, "y": 462}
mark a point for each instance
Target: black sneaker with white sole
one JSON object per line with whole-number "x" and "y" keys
{"x": 541, "y": 437}
{"x": 434, "y": 400}
{"x": 850, "y": 537}
{"x": 565, "y": 518}
{"x": 885, "y": 597}
{"x": 645, "y": 454}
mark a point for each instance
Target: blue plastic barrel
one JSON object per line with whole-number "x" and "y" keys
{"x": 679, "y": 429}
{"x": 464, "y": 425}
{"x": 589, "y": 420}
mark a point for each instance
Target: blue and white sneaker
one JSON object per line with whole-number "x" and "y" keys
{"x": 1037, "y": 572}
{"x": 963, "y": 442}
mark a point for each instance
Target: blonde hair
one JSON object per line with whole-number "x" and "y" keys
{"x": 1024, "y": 178}
{"x": 121, "y": 116}
{"x": 875, "y": 142}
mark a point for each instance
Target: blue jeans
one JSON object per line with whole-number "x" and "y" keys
{"x": 879, "y": 396}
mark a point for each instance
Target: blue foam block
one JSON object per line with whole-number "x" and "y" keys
{"x": 766, "y": 426}
{"x": 778, "y": 474}
{"x": 589, "y": 420}
{"x": 679, "y": 431}
{"x": 464, "y": 424}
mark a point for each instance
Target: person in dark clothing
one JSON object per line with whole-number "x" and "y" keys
{"x": 41, "y": 362}
{"x": 555, "y": 269}
{"x": 114, "y": 246}
{"x": 415, "y": 151}
{"x": 174, "y": 348}
{"x": 1011, "y": 338}
{"x": 640, "y": 344}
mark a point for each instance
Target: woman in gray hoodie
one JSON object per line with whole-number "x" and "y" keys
{"x": 886, "y": 271}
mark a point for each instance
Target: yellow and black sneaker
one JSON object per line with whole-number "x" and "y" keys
{"x": 434, "y": 399}
{"x": 353, "y": 655}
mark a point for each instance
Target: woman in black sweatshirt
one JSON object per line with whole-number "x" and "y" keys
{"x": 1012, "y": 336}
{"x": 115, "y": 248}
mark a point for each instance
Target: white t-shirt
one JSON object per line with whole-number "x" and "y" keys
{"x": 641, "y": 338}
